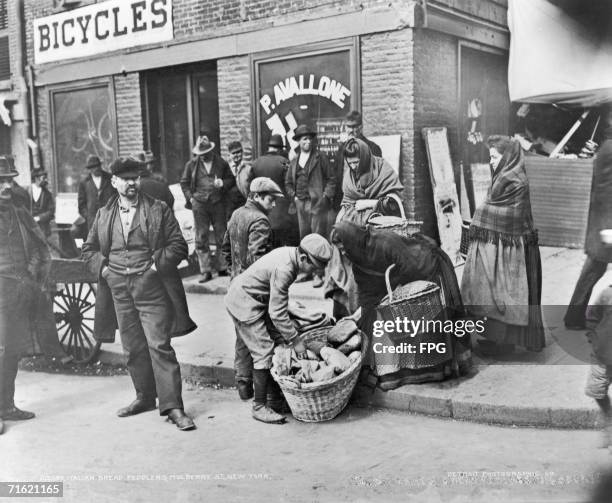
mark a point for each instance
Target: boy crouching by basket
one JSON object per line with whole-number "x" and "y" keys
{"x": 259, "y": 297}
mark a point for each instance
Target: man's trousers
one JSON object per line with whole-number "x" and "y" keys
{"x": 205, "y": 215}
{"x": 144, "y": 318}
{"x": 310, "y": 221}
{"x": 591, "y": 273}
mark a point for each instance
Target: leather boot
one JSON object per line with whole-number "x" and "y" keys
{"x": 260, "y": 412}
{"x": 15, "y": 414}
{"x": 138, "y": 406}
{"x": 606, "y": 412}
{"x": 182, "y": 421}
{"x": 245, "y": 390}
{"x": 275, "y": 399}
{"x": 1, "y": 426}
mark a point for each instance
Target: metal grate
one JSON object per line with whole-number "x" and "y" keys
{"x": 3, "y": 15}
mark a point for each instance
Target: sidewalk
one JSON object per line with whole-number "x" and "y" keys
{"x": 526, "y": 389}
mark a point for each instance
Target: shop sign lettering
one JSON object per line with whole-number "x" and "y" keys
{"x": 102, "y": 27}
{"x": 303, "y": 85}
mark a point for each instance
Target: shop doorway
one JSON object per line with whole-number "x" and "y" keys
{"x": 180, "y": 103}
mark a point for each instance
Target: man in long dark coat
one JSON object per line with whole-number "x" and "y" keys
{"x": 135, "y": 246}
{"x": 94, "y": 191}
{"x": 27, "y": 326}
{"x": 598, "y": 255}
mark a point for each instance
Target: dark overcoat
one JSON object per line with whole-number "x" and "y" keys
{"x": 89, "y": 201}
{"x": 600, "y": 209}
{"x": 44, "y": 209}
{"x": 321, "y": 179}
{"x": 169, "y": 249}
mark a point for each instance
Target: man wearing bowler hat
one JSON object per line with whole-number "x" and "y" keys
{"x": 27, "y": 325}
{"x": 134, "y": 247}
{"x": 274, "y": 165}
{"x": 205, "y": 182}
{"x": 42, "y": 202}
{"x": 94, "y": 191}
{"x": 311, "y": 182}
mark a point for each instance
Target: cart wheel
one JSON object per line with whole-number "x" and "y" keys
{"x": 73, "y": 309}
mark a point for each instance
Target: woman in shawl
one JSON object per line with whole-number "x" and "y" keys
{"x": 369, "y": 185}
{"x": 371, "y": 252}
{"x": 502, "y": 279}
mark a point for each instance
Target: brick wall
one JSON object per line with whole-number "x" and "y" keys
{"x": 233, "y": 76}
{"x": 128, "y": 111}
{"x": 435, "y": 88}
{"x": 387, "y": 97}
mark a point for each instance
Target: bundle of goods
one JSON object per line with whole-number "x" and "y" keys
{"x": 318, "y": 384}
{"x": 398, "y": 225}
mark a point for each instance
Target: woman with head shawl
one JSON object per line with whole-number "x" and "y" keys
{"x": 502, "y": 279}
{"x": 369, "y": 185}
{"x": 371, "y": 252}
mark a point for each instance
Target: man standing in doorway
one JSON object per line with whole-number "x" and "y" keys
{"x": 237, "y": 195}
{"x": 135, "y": 246}
{"x": 205, "y": 182}
{"x": 311, "y": 181}
{"x": 42, "y": 202}
{"x": 95, "y": 190}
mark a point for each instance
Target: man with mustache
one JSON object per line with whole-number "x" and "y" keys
{"x": 42, "y": 201}
{"x": 135, "y": 246}
{"x": 27, "y": 326}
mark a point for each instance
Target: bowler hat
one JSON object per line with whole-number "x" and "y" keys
{"x": 126, "y": 167}
{"x": 318, "y": 249}
{"x": 265, "y": 185}
{"x": 354, "y": 119}
{"x": 276, "y": 140}
{"x": 93, "y": 161}
{"x": 203, "y": 145}
{"x": 38, "y": 172}
{"x": 303, "y": 130}
{"x": 7, "y": 167}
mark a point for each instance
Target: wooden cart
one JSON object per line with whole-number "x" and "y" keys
{"x": 73, "y": 307}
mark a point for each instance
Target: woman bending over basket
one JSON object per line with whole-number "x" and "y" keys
{"x": 502, "y": 279}
{"x": 370, "y": 186}
{"x": 371, "y": 252}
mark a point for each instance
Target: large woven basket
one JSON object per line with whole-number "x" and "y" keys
{"x": 399, "y": 225}
{"x": 418, "y": 300}
{"x": 320, "y": 401}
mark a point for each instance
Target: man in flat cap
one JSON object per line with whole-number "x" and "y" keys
{"x": 94, "y": 191}
{"x": 311, "y": 181}
{"x": 274, "y": 165}
{"x": 135, "y": 246}
{"x": 258, "y": 301}
{"x": 248, "y": 238}
{"x": 27, "y": 325}
{"x": 205, "y": 182}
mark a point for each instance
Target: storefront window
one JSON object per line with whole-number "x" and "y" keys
{"x": 83, "y": 125}
{"x": 316, "y": 88}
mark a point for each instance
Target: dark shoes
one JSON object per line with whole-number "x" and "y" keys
{"x": 245, "y": 390}
{"x": 181, "y": 420}
{"x": 206, "y": 277}
{"x": 136, "y": 407}
{"x": 223, "y": 273}
{"x": 15, "y": 414}
{"x": 575, "y": 326}
{"x": 266, "y": 415}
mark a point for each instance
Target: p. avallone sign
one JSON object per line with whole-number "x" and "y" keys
{"x": 102, "y": 27}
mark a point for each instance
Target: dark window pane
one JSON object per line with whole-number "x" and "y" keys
{"x": 3, "y": 15}
{"x": 5, "y": 65}
{"x": 175, "y": 151}
{"x": 83, "y": 123}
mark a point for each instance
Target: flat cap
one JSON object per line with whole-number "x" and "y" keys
{"x": 263, "y": 184}
{"x": 303, "y": 130}
{"x": 126, "y": 167}
{"x": 317, "y": 248}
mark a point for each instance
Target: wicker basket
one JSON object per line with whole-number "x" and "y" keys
{"x": 418, "y": 300}
{"x": 320, "y": 401}
{"x": 399, "y": 225}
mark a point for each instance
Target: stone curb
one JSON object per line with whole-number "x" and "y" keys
{"x": 423, "y": 401}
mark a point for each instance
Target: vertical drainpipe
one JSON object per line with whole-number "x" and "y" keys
{"x": 24, "y": 96}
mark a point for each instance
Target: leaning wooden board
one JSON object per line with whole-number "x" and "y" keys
{"x": 446, "y": 201}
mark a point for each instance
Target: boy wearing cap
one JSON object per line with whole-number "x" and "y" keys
{"x": 237, "y": 195}
{"x": 248, "y": 238}
{"x": 134, "y": 247}
{"x": 258, "y": 299}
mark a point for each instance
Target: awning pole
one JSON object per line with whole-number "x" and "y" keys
{"x": 569, "y": 134}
